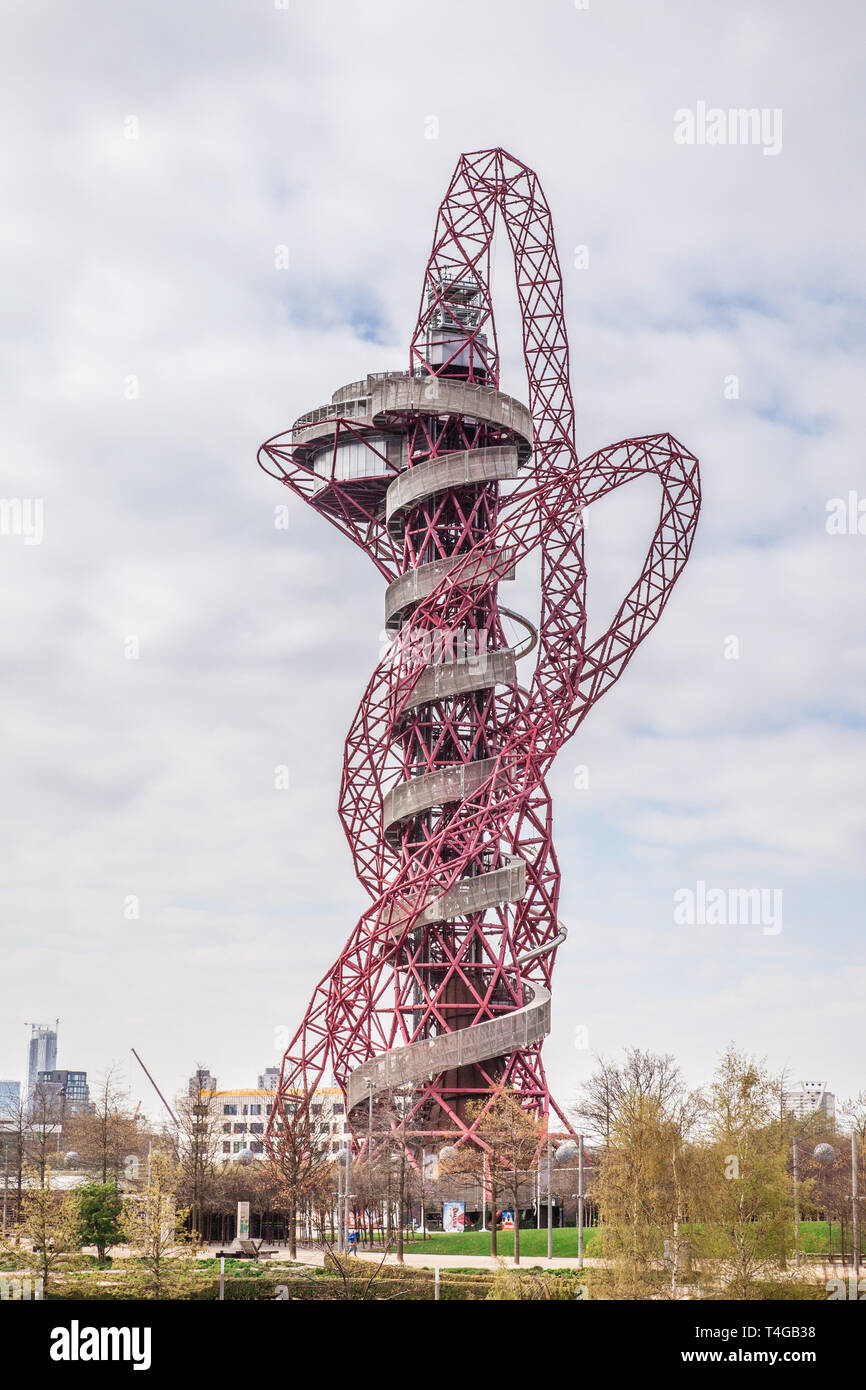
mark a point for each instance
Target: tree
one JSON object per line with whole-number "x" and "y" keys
{"x": 748, "y": 1194}
{"x": 153, "y": 1223}
{"x": 101, "y": 1211}
{"x": 105, "y": 1136}
{"x": 647, "y": 1183}
{"x": 198, "y": 1138}
{"x": 507, "y": 1146}
{"x": 650, "y": 1074}
{"x": 391, "y": 1170}
{"x": 298, "y": 1155}
{"x": 14, "y": 1158}
{"x": 44, "y": 1125}
{"x": 49, "y": 1221}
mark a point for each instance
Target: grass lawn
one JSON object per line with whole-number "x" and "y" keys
{"x": 532, "y": 1242}
{"x": 813, "y": 1238}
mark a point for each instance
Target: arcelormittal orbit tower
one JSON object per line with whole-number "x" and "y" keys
{"x": 443, "y": 987}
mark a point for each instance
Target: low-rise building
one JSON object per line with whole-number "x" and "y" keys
{"x": 242, "y": 1116}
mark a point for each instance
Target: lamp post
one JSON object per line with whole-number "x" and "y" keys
{"x": 580, "y": 1201}
{"x": 549, "y": 1196}
{"x": 796, "y": 1205}
{"x": 855, "y": 1204}
{"x": 348, "y": 1152}
{"x": 370, "y": 1088}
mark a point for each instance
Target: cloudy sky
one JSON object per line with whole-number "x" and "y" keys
{"x": 165, "y": 646}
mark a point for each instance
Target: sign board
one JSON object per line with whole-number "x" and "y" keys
{"x": 243, "y": 1220}
{"x": 453, "y": 1216}
{"x": 508, "y": 1221}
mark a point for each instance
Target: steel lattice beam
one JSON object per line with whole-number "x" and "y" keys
{"x": 438, "y": 954}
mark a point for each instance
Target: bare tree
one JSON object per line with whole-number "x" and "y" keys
{"x": 44, "y": 1126}
{"x": 198, "y": 1140}
{"x": 105, "y": 1136}
{"x": 655, "y": 1076}
{"x": 506, "y": 1151}
{"x": 298, "y": 1155}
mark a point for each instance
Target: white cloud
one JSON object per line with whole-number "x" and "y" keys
{"x": 155, "y": 258}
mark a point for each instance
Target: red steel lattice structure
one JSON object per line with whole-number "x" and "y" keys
{"x": 447, "y": 483}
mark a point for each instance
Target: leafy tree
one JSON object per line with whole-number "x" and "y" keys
{"x": 747, "y": 1200}
{"x": 153, "y": 1223}
{"x": 49, "y": 1222}
{"x": 101, "y": 1212}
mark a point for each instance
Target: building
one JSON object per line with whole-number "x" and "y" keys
{"x": 42, "y": 1055}
{"x": 811, "y": 1099}
{"x": 202, "y": 1080}
{"x": 269, "y": 1079}
{"x": 242, "y": 1118}
{"x": 10, "y": 1098}
{"x": 70, "y": 1087}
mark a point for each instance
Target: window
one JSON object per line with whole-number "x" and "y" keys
{"x": 227, "y": 1148}
{"x": 257, "y": 1129}
{"x": 230, "y": 1110}
{"x": 240, "y": 1129}
{"x": 255, "y": 1146}
{"x": 255, "y": 1110}
{"x": 227, "y": 1129}
{"x": 339, "y": 1109}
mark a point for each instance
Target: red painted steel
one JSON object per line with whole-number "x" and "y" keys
{"x": 400, "y": 979}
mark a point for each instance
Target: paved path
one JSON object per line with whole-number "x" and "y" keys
{"x": 416, "y": 1259}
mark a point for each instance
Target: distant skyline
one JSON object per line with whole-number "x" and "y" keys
{"x": 215, "y": 216}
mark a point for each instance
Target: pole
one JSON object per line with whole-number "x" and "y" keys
{"x": 538, "y": 1196}
{"x": 855, "y": 1205}
{"x": 340, "y": 1206}
{"x": 436, "y": 1283}
{"x": 5, "y": 1180}
{"x": 580, "y": 1201}
{"x": 484, "y": 1192}
{"x": 222, "y": 1278}
{"x": 549, "y": 1198}
{"x": 796, "y": 1204}
{"x": 370, "y": 1121}
{"x": 346, "y": 1197}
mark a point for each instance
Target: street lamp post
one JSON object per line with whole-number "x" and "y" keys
{"x": 580, "y": 1201}
{"x": 796, "y": 1205}
{"x": 549, "y": 1197}
{"x": 346, "y": 1198}
{"x": 855, "y": 1203}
